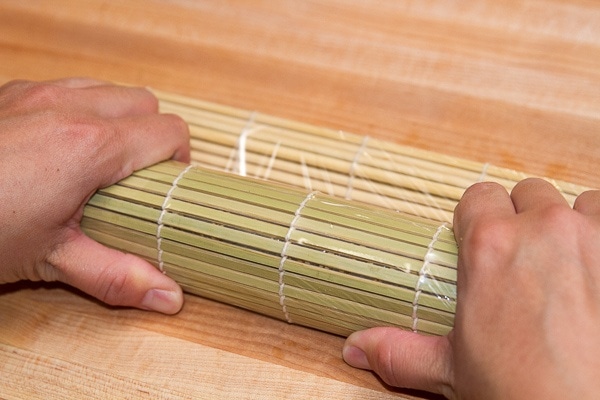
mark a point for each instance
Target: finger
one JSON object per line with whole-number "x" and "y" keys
{"x": 106, "y": 100}
{"x": 77, "y": 82}
{"x": 588, "y": 202}
{"x": 110, "y": 101}
{"x": 535, "y": 193}
{"x": 82, "y": 95}
{"x": 114, "y": 277}
{"x": 150, "y": 139}
{"x": 402, "y": 358}
{"x": 482, "y": 199}
{"x": 135, "y": 143}
{"x": 71, "y": 83}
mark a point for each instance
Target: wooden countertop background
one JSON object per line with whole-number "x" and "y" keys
{"x": 513, "y": 83}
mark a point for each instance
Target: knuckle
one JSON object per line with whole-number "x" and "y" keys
{"x": 45, "y": 272}
{"x": 486, "y": 232}
{"x": 486, "y": 240}
{"x": 384, "y": 365}
{"x": 116, "y": 286}
{"x": 149, "y": 100}
{"x": 557, "y": 218}
{"x": 39, "y": 95}
{"x": 111, "y": 289}
{"x": 86, "y": 134}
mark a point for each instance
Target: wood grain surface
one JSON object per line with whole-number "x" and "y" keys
{"x": 512, "y": 83}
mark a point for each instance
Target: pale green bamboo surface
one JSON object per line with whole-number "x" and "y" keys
{"x": 283, "y": 251}
{"x": 339, "y": 163}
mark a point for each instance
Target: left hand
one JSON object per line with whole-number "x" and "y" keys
{"x": 60, "y": 142}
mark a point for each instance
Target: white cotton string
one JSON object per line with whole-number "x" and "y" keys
{"x": 160, "y": 224}
{"x": 284, "y": 256}
{"x": 241, "y": 144}
{"x": 305, "y": 173}
{"x": 483, "y": 174}
{"x": 429, "y": 257}
{"x": 352, "y": 172}
{"x": 272, "y": 160}
{"x": 239, "y": 150}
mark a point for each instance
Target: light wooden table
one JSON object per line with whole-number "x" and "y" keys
{"x": 512, "y": 83}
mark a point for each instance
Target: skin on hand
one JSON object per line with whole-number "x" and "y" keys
{"x": 528, "y": 310}
{"x": 61, "y": 141}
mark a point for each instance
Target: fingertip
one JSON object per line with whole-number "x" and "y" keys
{"x": 144, "y": 141}
{"x": 588, "y": 202}
{"x": 163, "y": 301}
{"x": 480, "y": 192}
{"x": 378, "y": 349}
{"x": 353, "y": 354}
{"x": 136, "y": 283}
{"x": 164, "y": 295}
{"x": 180, "y": 128}
{"x": 536, "y": 193}
{"x": 479, "y": 187}
{"x": 182, "y": 153}
{"x": 130, "y": 101}
{"x": 483, "y": 198}
{"x": 402, "y": 358}
{"x": 148, "y": 100}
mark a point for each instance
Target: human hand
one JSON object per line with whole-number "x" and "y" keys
{"x": 528, "y": 310}
{"x": 60, "y": 142}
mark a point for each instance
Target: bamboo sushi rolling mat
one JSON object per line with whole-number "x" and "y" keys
{"x": 510, "y": 86}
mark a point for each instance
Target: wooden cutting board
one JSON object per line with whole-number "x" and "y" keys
{"x": 516, "y": 84}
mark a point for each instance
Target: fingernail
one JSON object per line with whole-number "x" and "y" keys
{"x": 355, "y": 357}
{"x": 164, "y": 301}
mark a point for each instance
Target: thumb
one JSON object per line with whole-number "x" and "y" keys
{"x": 403, "y": 358}
{"x": 114, "y": 277}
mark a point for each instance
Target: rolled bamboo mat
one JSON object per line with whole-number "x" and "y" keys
{"x": 318, "y": 227}
{"x": 342, "y": 164}
{"x": 283, "y": 251}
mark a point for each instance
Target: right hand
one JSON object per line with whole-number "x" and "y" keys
{"x": 528, "y": 309}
